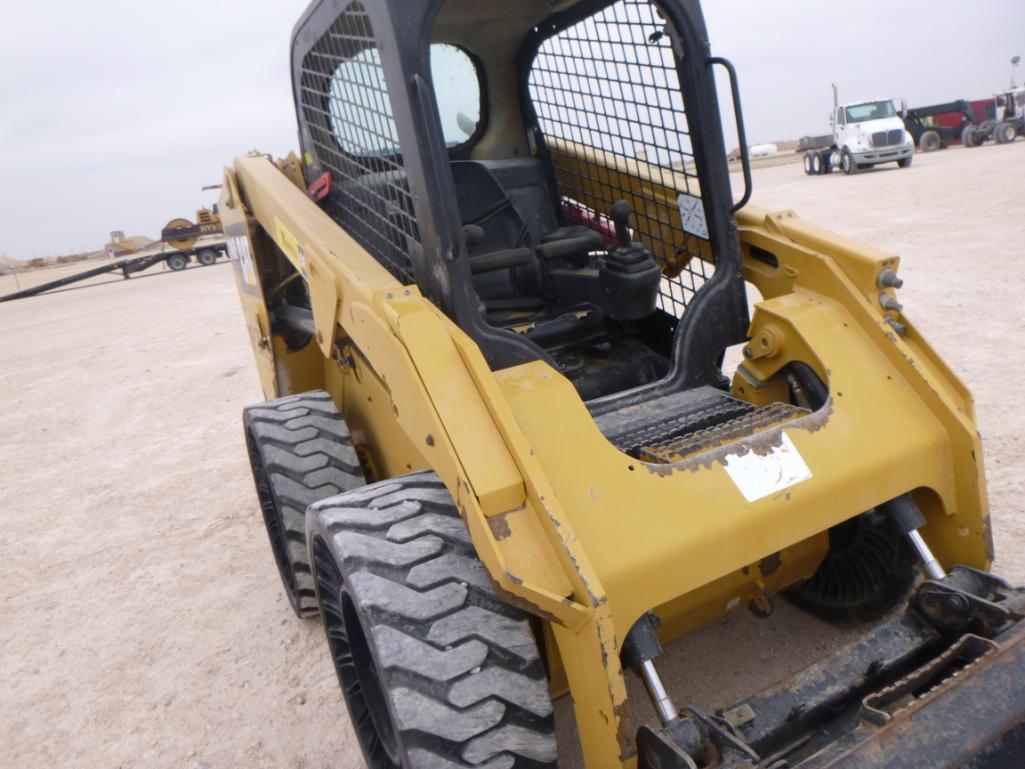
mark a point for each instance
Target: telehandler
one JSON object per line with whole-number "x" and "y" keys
{"x": 490, "y": 303}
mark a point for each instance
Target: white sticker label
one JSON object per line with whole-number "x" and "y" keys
{"x": 760, "y": 475}
{"x": 692, "y": 214}
{"x": 238, "y": 250}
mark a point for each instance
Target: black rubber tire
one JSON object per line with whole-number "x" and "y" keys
{"x": 436, "y": 670}
{"x": 847, "y": 163}
{"x": 207, "y": 257}
{"x": 300, "y": 452}
{"x": 930, "y": 141}
{"x": 177, "y": 262}
{"x": 905, "y": 162}
{"x": 817, "y": 164}
{"x": 808, "y": 168}
{"x": 1005, "y": 133}
{"x": 968, "y": 137}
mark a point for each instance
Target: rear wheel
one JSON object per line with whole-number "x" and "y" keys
{"x": 929, "y": 141}
{"x": 177, "y": 262}
{"x": 847, "y": 163}
{"x": 968, "y": 137}
{"x": 817, "y": 164}
{"x": 300, "y": 452}
{"x": 435, "y": 669}
{"x": 206, "y": 258}
{"x": 808, "y": 169}
{"x": 1005, "y": 133}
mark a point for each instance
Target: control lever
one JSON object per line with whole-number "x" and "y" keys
{"x": 629, "y": 254}
{"x": 621, "y": 211}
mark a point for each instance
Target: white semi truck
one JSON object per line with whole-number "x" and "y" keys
{"x": 865, "y": 134}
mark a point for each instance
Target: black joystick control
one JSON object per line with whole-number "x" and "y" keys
{"x": 629, "y": 276}
{"x": 621, "y": 211}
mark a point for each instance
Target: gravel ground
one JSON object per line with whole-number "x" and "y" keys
{"x": 140, "y": 613}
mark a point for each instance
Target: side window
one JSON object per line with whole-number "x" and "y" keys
{"x": 358, "y": 106}
{"x": 361, "y": 115}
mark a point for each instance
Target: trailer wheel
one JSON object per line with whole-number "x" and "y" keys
{"x": 436, "y": 670}
{"x": 929, "y": 141}
{"x": 847, "y": 163}
{"x": 1005, "y": 133}
{"x": 177, "y": 262}
{"x": 968, "y": 137}
{"x": 207, "y": 257}
{"x": 300, "y": 452}
{"x": 808, "y": 168}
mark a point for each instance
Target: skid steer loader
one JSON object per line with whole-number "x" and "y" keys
{"x": 490, "y": 302}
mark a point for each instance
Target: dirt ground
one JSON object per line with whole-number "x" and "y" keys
{"x": 141, "y": 619}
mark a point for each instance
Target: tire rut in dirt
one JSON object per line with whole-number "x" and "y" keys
{"x": 300, "y": 451}
{"x": 436, "y": 670}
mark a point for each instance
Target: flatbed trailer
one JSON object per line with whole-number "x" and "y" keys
{"x": 176, "y": 259}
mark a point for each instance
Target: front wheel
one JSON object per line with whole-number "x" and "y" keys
{"x": 905, "y": 162}
{"x": 436, "y": 670}
{"x": 1005, "y": 133}
{"x": 847, "y": 163}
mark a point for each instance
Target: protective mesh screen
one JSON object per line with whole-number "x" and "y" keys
{"x": 348, "y": 114}
{"x": 607, "y": 96}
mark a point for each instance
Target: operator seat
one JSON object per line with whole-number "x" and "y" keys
{"x": 506, "y": 250}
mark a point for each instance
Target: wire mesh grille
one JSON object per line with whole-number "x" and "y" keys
{"x": 349, "y": 117}
{"x": 608, "y": 101}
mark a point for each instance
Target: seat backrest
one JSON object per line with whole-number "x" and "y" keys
{"x": 483, "y": 202}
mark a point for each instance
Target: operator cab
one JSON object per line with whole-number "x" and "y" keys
{"x": 543, "y": 179}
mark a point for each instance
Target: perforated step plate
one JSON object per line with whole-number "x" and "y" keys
{"x": 674, "y": 427}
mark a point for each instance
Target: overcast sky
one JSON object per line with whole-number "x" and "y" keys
{"x": 113, "y": 115}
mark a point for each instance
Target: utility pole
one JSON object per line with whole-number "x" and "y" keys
{"x": 1015, "y": 61}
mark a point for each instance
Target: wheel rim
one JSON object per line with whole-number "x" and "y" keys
{"x": 354, "y": 664}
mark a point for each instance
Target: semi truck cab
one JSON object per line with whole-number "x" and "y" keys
{"x": 868, "y": 133}
{"x": 865, "y": 134}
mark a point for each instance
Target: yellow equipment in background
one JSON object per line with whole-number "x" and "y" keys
{"x": 183, "y": 234}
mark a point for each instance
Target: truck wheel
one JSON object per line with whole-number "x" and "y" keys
{"x": 1005, "y": 133}
{"x": 436, "y": 670}
{"x": 808, "y": 169}
{"x": 905, "y": 162}
{"x": 300, "y": 452}
{"x": 817, "y": 164}
{"x": 929, "y": 141}
{"x": 968, "y": 137}
{"x": 208, "y": 257}
{"x": 177, "y": 262}
{"x": 847, "y": 163}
